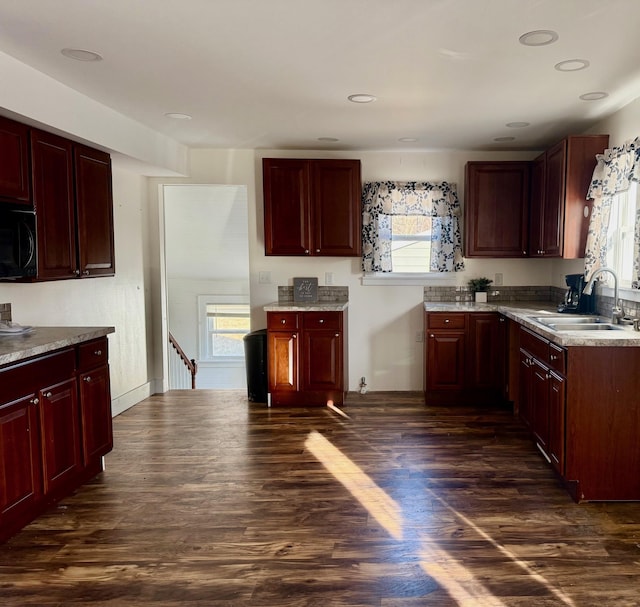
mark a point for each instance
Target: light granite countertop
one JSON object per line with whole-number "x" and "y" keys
{"x": 41, "y": 340}
{"x": 525, "y": 314}
{"x": 289, "y": 306}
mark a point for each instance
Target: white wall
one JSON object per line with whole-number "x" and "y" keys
{"x": 118, "y": 301}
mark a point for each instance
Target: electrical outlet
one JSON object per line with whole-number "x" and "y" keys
{"x": 497, "y": 279}
{"x": 264, "y": 278}
{"x": 328, "y": 278}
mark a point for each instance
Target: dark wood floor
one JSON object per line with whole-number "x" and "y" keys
{"x": 208, "y": 500}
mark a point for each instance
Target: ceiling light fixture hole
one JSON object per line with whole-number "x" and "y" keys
{"x": 538, "y": 38}
{"x": 594, "y": 96}
{"x": 80, "y": 54}
{"x": 572, "y": 65}
{"x": 361, "y": 98}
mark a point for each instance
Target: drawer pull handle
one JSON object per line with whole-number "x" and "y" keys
{"x": 98, "y": 352}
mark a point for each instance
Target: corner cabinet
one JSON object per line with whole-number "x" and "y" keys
{"x": 497, "y": 209}
{"x": 560, "y": 211}
{"x": 464, "y": 357}
{"x": 312, "y": 207}
{"x": 306, "y": 357}
{"x": 74, "y": 208}
{"x": 55, "y": 426}
{"x": 15, "y": 186}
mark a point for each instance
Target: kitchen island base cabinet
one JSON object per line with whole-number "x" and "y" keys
{"x": 306, "y": 358}
{"x": 53, "y": 432}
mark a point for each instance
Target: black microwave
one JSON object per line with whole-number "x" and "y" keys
{"x": 17, "y": 244}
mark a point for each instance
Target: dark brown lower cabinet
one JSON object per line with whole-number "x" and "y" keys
{"x": 306, "y": 357}
{"x": 464, "y": 357}
{"x": 55, "y": 426}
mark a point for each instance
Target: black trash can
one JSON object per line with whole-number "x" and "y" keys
{"x": 255, "y": 355}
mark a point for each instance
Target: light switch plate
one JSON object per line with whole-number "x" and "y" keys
{"x": 264, "y": 278}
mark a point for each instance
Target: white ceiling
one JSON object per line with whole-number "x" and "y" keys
{"x": 277, "y": 73}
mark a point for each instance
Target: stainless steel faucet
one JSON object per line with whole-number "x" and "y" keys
{"x": 618, "y": 311}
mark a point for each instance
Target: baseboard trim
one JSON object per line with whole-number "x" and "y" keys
{"x": 131, "y": 398}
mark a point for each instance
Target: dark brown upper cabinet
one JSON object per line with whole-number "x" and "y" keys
{"x": 560, "y": 211}
{"x": 496, "y": 209}
{"x": 312, "y": 207}
{"x": 15, "y": 186}
{"x": 74, "y": 208}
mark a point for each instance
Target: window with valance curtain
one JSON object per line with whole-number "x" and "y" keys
{"x": 383, "y": 199}
{"x": 615, "y": 170}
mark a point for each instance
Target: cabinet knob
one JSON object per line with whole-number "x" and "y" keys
{"x": 283, "y": 322}
{"x": 553, "y": 357}
{"x": 317, "y": 250}
{"x": 431, "y": 335}
{"x": 98, "y": 352}
{"x": 87, "y": 378}
{"x": 321, "y": 320}
{"x": 306, "y": 251}
{"x": 502, "y": 319}
{"x": 85, "y": 273}
{"x": 48, "y": 395}
{"x": 34, "y": 401}
{"x": 447, "y": 321}
{"x": 76, "y": 272}
{"x": 294, "y": 336}
{"x": 524, "y": 252}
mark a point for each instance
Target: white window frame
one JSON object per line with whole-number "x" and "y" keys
{"x": 621, "y": 231}
{"x": 203, "y": 333}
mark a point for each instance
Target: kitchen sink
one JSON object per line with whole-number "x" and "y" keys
{"x": 586, "y": 326}
{"x": 568, "y": 320}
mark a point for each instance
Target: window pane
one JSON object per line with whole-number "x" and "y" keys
{"x": 410, "y": 243}
{"x": 227, "y": 324}
{"x": 229, "y": 344}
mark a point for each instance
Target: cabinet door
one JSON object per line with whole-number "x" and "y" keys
{"x": 540, "y": 403}
{"x": 486, "y": 353}
{"x": 14, "y": 162}
{"x": 282, "y": 356}
{"x": 336, "y": 207}
{"x": 52, "y": 168}
{"x": 94, "y": 205}
{"x": 445, "y": 360}
{"x": 20, "y": 467}
{"x": 556, "y": 421}
{"x": 286, "y": 206}
{"x": 497, "y": 209}
{"x": 536, "y": 246}
{"x": 59, "y": 426}
{"x": 95, "y": 407}
{"x": 524, "y": 388}
{"x": 322, "y": 361}
{"x": 553, "y": 208}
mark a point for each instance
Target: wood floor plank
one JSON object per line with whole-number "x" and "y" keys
{"x": 209, "y": 500}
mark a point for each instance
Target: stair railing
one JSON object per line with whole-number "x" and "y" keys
{"x": 185, "y": 366}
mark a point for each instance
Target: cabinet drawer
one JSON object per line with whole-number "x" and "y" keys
{"x": 282, "y": 321}
{"x": 444, "y": 320}
{"x": 93, "y": 354}
{"x": 557, "y": 358}
{"x": 331, "y": 321}
{"x": 534, "y": 344}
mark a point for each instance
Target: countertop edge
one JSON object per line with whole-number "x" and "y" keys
{"x": 42, "y": 340}
{"x": 321, "y": 306}
{"x": 522, "y": 312}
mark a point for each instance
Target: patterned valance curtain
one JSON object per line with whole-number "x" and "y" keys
{"x": 383, "y": 199}
{"x": 616, "y": 168}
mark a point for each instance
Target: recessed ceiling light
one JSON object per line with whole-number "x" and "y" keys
{"x": 538, "y": 38}
{"x": 502, "y": 139}
{"x": 329, "y": 139}
{"x": 595, "y": 96}
{"x": 80, "y": 54}
{"x": 572, "y": 65}
{"x": 408, "y": 139}
{"x": 178, "y": 116}
{"x": 517, "y": 125}
{"x": 361, "y": 98}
